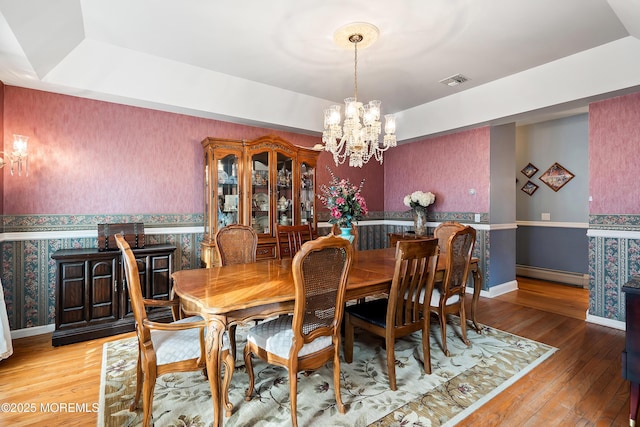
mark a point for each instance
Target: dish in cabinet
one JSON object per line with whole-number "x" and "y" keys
{"x": 261, "y": 201}
{"x": 263, "y": 223}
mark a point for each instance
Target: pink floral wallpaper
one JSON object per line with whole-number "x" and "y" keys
{"x": 448, "y": 166}
{"x": 94, "y": 157}
{"x": 614, "y": 160}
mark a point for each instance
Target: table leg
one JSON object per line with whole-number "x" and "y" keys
{"x": 176, "y": 309}
{"x": 477, "y": 287}
{"x": 213, "y": 344}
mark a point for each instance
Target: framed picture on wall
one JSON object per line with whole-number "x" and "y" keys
{"x": 529, "y": 170}
{"x": 529, "y": 188}
{"x": 556, "y": 176}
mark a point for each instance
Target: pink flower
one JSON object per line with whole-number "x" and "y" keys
{"x": 344, "y": 201}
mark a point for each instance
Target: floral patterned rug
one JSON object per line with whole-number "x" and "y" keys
{"x": 458, "y": 385}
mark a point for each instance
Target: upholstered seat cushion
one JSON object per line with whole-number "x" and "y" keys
{"x": 174, "y": 346}
{"x": 374, "y": 311}
{"x": 276, "y": 336}
{"x": 435, "y": 298}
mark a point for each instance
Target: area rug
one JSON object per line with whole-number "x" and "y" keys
{"x": 458, "y": 385}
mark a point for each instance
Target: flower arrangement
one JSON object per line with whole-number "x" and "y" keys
{"x": 419, "y": 199}
{"x": 344, "y": 200}
{"x": 418, "y": 202}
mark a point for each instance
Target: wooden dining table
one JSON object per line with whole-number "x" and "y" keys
{"x": 236, "y": 293}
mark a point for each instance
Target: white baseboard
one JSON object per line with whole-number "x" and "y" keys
{"x": 570, "y": 278}
{"x": 494, "y": 291}
{"x": 616, "y": 324}
{"x": 31, "y": 332}
{"x": 504, "y": 288}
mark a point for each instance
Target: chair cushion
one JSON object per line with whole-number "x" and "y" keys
{"x": 174, "y": 346}
{"x": 276, "y": 337}
{"x": 435, "y": 298}
{"x": 374, "y": 311}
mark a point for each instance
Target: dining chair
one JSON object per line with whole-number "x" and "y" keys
{"x": 293, "y": 236}
{"x": 394, "y": 238}
{"x": 448, "y": 297}
{"x": 310, "y": 337}
{"x": 335, "y": 230}
{"x": 236, "y": 244}
{"x": 401, "y": 313}
{"x": 165, "y": 347}
{"x": 443, "y": 231}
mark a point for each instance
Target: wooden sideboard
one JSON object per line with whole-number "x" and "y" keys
{"x": 91, "y": 294}
{"x": 631, "y": 353}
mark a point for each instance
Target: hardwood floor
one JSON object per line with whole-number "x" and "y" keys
{"x": 547, "y": 296}
{"x": 580, "y": 385}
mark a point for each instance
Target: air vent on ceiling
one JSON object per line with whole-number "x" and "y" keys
{"x": 454, "y": 80}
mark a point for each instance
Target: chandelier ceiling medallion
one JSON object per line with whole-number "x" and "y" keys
{"x": 358, "y": 138}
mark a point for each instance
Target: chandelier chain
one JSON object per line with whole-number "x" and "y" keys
{"x": 355, "y": 71}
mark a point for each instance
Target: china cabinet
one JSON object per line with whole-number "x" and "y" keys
{"x": 260, "y": 183}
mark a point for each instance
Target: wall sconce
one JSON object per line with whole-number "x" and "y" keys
{"x": 18, "y": 156}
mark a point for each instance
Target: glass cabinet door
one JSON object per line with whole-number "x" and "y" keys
{"x": 307, "y": 194}
{"x": 260, "y": 201}
{"x": 228, "y": 202}
{"x": 284, "y": 190}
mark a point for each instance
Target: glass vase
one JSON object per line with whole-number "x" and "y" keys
{"x": 345, "y": 233}
{"x": 420, "y": 221}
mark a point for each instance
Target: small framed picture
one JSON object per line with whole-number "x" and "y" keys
{"x": 529, "y": 188}
{"x": 556, "y": 176}
{"x": 529, "y": 170}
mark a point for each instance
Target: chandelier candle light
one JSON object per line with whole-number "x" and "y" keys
{"x": 418, "y": 202}
{"x": 358, "y": 138}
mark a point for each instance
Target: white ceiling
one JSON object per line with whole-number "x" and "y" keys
{"x": 275, "y": 62}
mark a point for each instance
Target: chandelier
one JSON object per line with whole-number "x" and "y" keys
{"x": 18, "y": 157}
{"x": 358, "y": 138}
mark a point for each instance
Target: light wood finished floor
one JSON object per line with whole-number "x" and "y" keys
{"x": 580, "y": 385}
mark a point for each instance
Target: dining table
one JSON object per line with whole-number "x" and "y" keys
{"x": 234, "y": 294}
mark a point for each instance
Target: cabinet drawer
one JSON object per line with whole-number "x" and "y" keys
{"x": 266, "y": 251}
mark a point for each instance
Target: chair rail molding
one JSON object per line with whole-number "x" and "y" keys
{"x": 616, "y": 234}
{"x": 584, "y": 225}
{"x": 88, "y": 233}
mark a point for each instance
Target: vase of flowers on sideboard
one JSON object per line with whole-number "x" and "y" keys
{"x": 418, "y": 201}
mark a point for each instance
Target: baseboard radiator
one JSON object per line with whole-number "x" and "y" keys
{"x": 570, "y": 278}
